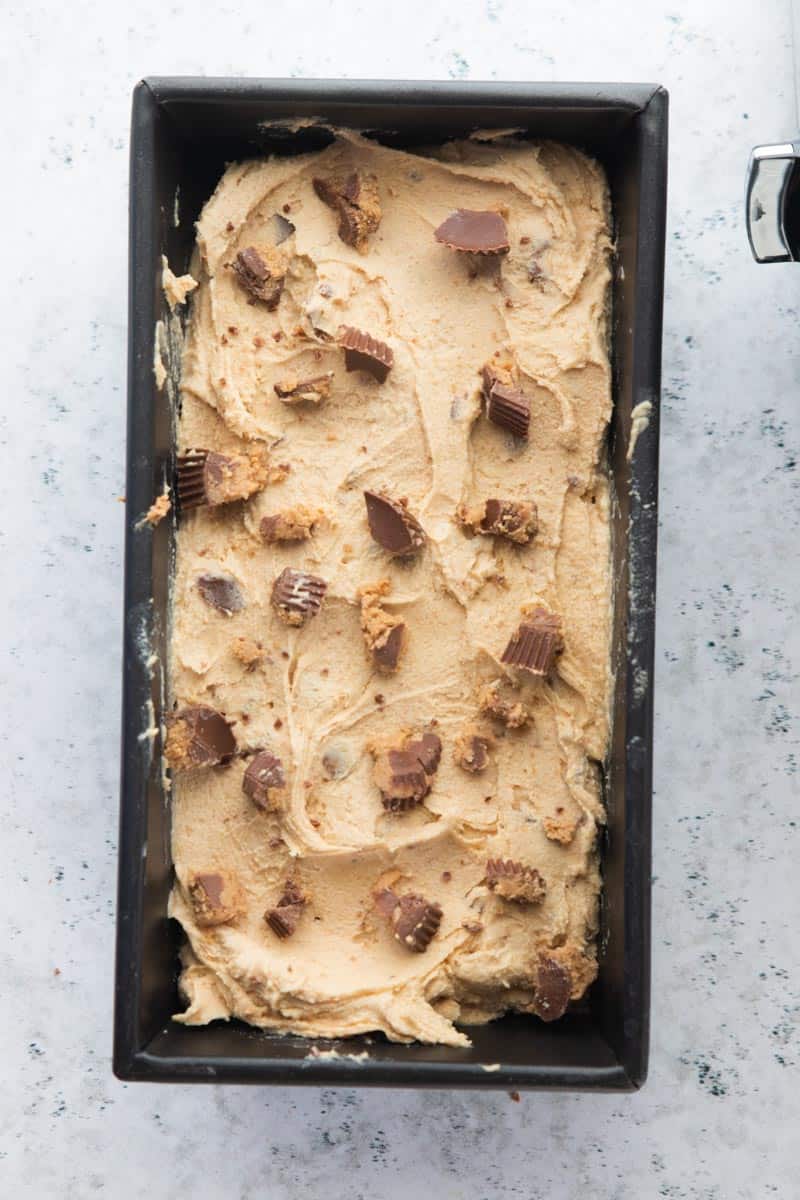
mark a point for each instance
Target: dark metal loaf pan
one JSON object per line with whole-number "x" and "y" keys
{"x": 184, "y": 132}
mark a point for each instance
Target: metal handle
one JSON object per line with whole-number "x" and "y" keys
{"x": 773, "y": 203}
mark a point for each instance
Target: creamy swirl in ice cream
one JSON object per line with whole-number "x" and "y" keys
{"x": 314, "y": 694}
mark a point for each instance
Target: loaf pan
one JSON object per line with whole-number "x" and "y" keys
{"x": 184, "y": 132}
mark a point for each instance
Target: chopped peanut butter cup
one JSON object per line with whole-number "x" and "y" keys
{"x": 537, "y": 643}
{"x": 510, "y": 409}
{"x": 516, "y": 520}
{"x": 261, "y": 270}
{"x": 297, "y": 596}
{"x": 206, "y": 477}
{"x": 384, "y": 634}
{"x": 392, "y": 526}
{"x": 284, "y": 918}
{"x": 293, "y": 525}
{"x": 515, "y": 881}
{"x": 355, "y": 199}
{"x": 198, "y": 736}
{"x": 405, "y": 785}
{"x": 415, "y": 921}
{"x": 498, "y": 700}
{"x": 474, "y": 232}
{"x": 387, "y": 650}
{"x": 264, "y": 781}
{"x": 404, "y": 773}
{"x": 221, "y": 592}
{"x": 215, "y": 899}
{"x": 309, "y": 391}
{"x": 553, "y": 989}
{"x": 428, "y": 750}
{"x": 471, "y": 751}
{"x": 362, "y": 352}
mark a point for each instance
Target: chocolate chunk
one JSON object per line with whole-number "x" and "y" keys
{"x": 474, "y": 232}
{"x": 510, "y": 409}
{"x": 516, "y": 520}
{"x": 515, "y": 881}
{"x": 428, "y": 749}
{"x": 216, "y": 900}
{"x": 415, "y": 921}
{"x": 536, "y": 644}
{"x": 365, "y": 353}
{"x": 206, "y": 477}
{"x": 392, "y": 526}
{"x": 472, "y": 751}
{"x": 297, "y": 596}
{"x": 356, "y": 200}
{"x": 281, "y": 228}
{"x": 221, "y": 592}
{"x": 264, "y": 781}
{"x": 285, "y": 917}
{"x": 293, "y": 525}
{"x": 310, "y": 391}
{"x": 553, "y": 988}
{"x": 199, "y": 737}
{"x": 261, "y": 271}
{"x": 386, "y": 652}
{"x": 536, "y": 272}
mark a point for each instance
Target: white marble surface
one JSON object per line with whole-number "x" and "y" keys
{"x": 718, "y": 1118}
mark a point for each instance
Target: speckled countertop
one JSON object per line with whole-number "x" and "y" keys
{"x": 718, "y": 1118}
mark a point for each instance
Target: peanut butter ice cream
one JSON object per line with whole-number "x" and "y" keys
{"x": 391, "y": 620}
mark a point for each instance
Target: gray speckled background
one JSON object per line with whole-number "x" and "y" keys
{"x": 718, "y": 1118}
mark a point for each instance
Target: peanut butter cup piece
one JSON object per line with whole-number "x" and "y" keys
{"x": 510, "y": 409}
{"x": 221, "y": 592}
{"x": 304, "y": 391}
{"x": 249, "y": 652}
{"x": 206, "y": 477}
{"x": 387, "y": 650}
{"x": 499, "y": 369}
{"x": 415, "y": 921}
{"x": 264, "y": 781}
{"x": 471, "y": 751}
{"x": 474, "y": 232}
{"x": 537, "y": 643}
{"x": 498, "y": 700}
{"x": 392, "y": 526}
{"x": 190, "y": 482}
{"x": 428, "y": 750}
{"x": 516, "y": 520}
{"x": 198, "y": 736}
{"x": 560, "y": 827}
{"x": 215, "y": 898}
{"x": 261, "y": 270}
{"x": 515, "y": 881}
{"x": 384, "y": 634}
{"x": 553, "y": 988}
{"x": 404, "y": 772}
{"x": 297, "y": 596}
{"x": 292, "y": 525}
{"x": 284, "y": 918}
{"x": 362, "y": 352}
{"x": 355, "y": 199}
{"x": 402, "y": 780}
